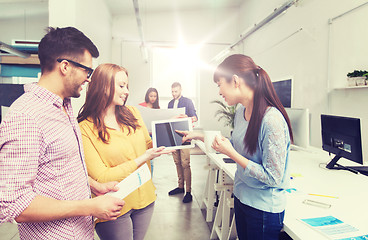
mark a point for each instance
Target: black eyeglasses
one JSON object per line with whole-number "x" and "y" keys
{"x": 88, "y": 69}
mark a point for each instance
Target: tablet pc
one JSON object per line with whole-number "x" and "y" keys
{"x": 164, "y": 134}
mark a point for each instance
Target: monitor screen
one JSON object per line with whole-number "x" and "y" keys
{"x": 299, "y": 119}
{"x": 9, "y": 93}
{"x": 342, "y": 137}
{"x": 284, "y": 91}
{"x": 164, "y": 133}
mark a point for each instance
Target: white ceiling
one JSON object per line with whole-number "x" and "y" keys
{"x": 118, "y": 7}
{"x": 20, "y": 8}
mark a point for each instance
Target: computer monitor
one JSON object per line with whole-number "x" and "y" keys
{"x": 342, "y": 137}
{"x": 9, "y": 93}
{"x": 299, "y": 119}
{"x": 284, "y": 91}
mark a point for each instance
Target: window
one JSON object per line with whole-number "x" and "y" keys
{"x": 171, "y": 65}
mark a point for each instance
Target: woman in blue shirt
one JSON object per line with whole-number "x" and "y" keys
{"x": 260, "y": 146}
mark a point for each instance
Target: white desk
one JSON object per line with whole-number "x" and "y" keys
{"x": 351, "y": 206}
{"x": 223, "y": 228}
{"x": 351, "y": 190}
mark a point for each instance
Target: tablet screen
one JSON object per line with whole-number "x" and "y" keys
{"x": 164, "y": 134}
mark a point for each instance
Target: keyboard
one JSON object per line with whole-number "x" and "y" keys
{"x": 361, "y": 169}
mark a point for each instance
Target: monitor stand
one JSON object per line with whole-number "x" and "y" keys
{"x": 355, "y": 169}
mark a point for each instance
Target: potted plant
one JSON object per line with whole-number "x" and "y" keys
{"x": 366, "y": 78}
{"x": 357, "y": 78}
{"x": 226, "y": 112}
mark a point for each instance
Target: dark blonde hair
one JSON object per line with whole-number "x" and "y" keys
{"x": 100, "y": 94}
{"x": 175, "y": 84}
{"x": 264, "y": 93}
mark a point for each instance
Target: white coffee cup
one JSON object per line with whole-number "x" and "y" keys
{"x": 209, "y": 137}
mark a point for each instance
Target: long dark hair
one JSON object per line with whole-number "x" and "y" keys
{"x": 146, "y": 98}
{"x": 100, "y": 94}
{"x": 264, "y": 93}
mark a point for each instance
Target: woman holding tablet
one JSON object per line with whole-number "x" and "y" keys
{"x": 260, "y": 146}
{"x": 116, "y": 142}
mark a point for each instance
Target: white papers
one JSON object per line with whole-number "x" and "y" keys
{"x": 132, "y": 182}
{"x": 334, "y": 228}
{"x": 151, "y": 114}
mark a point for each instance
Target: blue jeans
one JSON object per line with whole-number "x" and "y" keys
{"x": 254, "y": 224}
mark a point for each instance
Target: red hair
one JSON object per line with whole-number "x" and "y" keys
{"x": 100, "y": 94}
{"x": 264, "y": 93}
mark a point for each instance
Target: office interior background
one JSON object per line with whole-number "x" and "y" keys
{"x": 315, "y": 43}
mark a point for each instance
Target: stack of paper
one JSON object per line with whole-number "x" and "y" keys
{"x": 132, "y": 182}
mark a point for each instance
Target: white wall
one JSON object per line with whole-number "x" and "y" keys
{"x": 25, "y": 21}
{"x": 22, "y": 26}
{"x": 17, "y": 29}
{"x": 297, "y": 44}
{"x": 93, "y": 18}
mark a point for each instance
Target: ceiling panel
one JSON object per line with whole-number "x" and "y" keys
{"x": 118, "y": 7}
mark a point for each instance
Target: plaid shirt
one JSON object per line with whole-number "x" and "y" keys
{"x": 41, "y": 154}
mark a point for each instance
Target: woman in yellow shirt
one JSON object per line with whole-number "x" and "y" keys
{"x": 116, "y": 142}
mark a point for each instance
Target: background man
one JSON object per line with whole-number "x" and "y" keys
{"x": 182, "y": 156}
{"x": 44, "y": 184}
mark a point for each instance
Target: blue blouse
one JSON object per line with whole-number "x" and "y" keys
{"x": 262, "y": 183}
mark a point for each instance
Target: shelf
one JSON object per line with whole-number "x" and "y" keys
{"x": 353, "y": 87}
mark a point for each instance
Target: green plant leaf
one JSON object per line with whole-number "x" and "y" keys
{"x": 366, "y": 76}
{"x": 226, "y": 113}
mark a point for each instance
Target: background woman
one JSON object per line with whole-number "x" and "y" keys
{"x": 260, "y": 147}
{"x": 151, "y": 99}
{"x": 116, "y": 143}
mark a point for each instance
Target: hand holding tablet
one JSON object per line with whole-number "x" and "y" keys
{"x": 156, "y": 152}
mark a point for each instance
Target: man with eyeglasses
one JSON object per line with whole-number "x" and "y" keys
{"x": 44, "y": 185}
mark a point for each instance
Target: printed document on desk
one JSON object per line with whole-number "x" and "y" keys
{"x": 132, "y": 182}
{"x": 334, "y": 228}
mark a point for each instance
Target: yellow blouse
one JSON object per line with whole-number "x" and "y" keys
{"x": 114, "y": 161}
